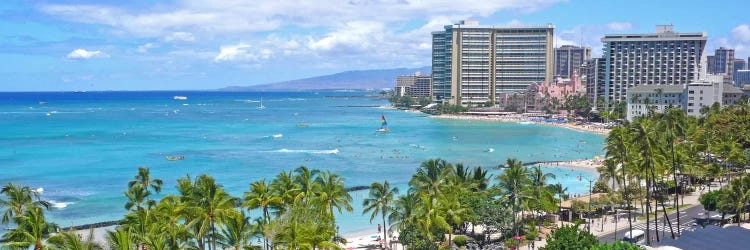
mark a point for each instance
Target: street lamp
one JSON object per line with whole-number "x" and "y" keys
{"x": 590, "y": 191}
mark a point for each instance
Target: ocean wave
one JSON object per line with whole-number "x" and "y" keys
{"x": 248, "y": 100}
{"x": 60, "y": 205}
{"x": 308, "y": 151}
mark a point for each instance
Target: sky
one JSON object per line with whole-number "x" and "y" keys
{"x": 75, "y": 45}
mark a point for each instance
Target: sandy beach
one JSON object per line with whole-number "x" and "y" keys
{"x": 368, "y": 240}
{"x": 595, "y": 128}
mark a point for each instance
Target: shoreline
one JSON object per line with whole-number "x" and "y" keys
{"x": 360, "y": 239}
{"x": 516, "y": 118}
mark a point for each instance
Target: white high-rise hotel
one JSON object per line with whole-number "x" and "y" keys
{"x": 474, "y": 64}
{"x": 662, "y": 58}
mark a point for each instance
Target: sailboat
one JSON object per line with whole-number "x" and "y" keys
{"x": 384, "y": 125}
{"x": 261, "y": 104}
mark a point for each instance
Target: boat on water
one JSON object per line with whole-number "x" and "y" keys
{"x": 261, "y": 104}
{"x": 180, "y": 97}
{"x": 302, "y": 125}
{"x": 175, "y": 157}
{"x": 384, "y": 125}
{"x": 490, "y": 150}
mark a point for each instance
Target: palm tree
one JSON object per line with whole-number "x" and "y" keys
{"x": 430, "y": 175}
{"x": 144, "y": 180}
{"x": 212, "y": 203}
{"x": 155, "y": 239}
{"x": 515, "y": 181}
{"x": 608, "y": 171}
{"x": 380, "y": 201}
{"x": 121, "y": 239}
{"x": 71, "y": 241}
{"x": 32, "y": 229}
{"x": 140, "y": 223}
{"x": 430, "y": 218}
{"x": 674, "y": 121}
{"x": 18, "y": 200}
{"x": 560, "y": 191}
{"x": 450, "y": 207}
{"x": 404, "y": 210}
{"x": 481, "y": 178}
{"x": 332, "y": 193}
{"x": 237, "y": 231}
{"x": 284, "y": 186}
{"x": 647, "y": 143}
{"x": 460, "y": 173}
{"x": 137, "y": 196}
{"x": 305, "y": 180}
{"x": 261, "y": 196}
{"x": 542, "y": 195}
{"x": 170, "y": 213}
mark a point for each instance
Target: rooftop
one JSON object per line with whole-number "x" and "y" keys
{"x": 653, "y": 88}
{"x": 662, "y": 34}
{"x": 568, "y": 203}
{"x": 475, "y": 24}
{"x": 729, "y": 89}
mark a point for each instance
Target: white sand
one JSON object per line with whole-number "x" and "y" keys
{"x": 589, "y": 128}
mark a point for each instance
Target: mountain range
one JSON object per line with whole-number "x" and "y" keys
{"x": 355, "y": 79}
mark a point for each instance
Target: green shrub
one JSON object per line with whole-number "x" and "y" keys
{"x": 619, "y": 245}
{"x": 547, "y": 223}
{"x": 460, "y": 241}
{"x": 570, "y": 237}
{"x": 511, "y": 243}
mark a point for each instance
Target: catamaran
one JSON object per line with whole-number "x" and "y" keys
{"x": 384, "y": 125}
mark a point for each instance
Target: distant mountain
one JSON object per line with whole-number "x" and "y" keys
{"x": 356, "y": 79}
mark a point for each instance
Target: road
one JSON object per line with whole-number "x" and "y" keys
{"x": 687, "y": 218}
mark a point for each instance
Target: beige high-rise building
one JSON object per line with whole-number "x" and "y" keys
{"x": 473, "y": 64}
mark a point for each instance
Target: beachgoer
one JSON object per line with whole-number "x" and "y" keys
{"x": 379, "y": 228}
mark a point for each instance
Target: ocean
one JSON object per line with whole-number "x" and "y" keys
{"x": 83, "y": 148}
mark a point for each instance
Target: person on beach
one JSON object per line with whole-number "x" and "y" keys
{"x": 379, "y": 228}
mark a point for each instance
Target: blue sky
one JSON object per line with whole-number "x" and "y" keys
{"x": 207, "y": 44}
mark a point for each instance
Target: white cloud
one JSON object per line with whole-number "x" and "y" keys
{"x": 86, "y": 54}
{"x": 515, "y": 22}
{"x": 229, "y": 17}
{"x": 144, "y": 48}
{"x": 180, "y": 37}
{"x": 739, "y": 41}
{"x": 242, "y": 52}
{"x": 619, "y": 26}
{"x": 347, "y": 33}
{"x": 357, "y": 35}
{"x": 742, "y": 33}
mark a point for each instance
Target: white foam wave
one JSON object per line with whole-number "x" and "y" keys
{"x": 39, "y": 190}
{"x": 308, "y": 151}
{"x": 248, "y": 100}
{"x": 60, "y": 205}
{"x": 278, "y": 135}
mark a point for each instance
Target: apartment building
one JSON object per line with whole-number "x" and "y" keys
{"x": 472, "y": 63}
{"x": 661, "y": 58}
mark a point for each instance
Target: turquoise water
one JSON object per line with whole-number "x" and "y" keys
{"x": 83, "y": 148}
